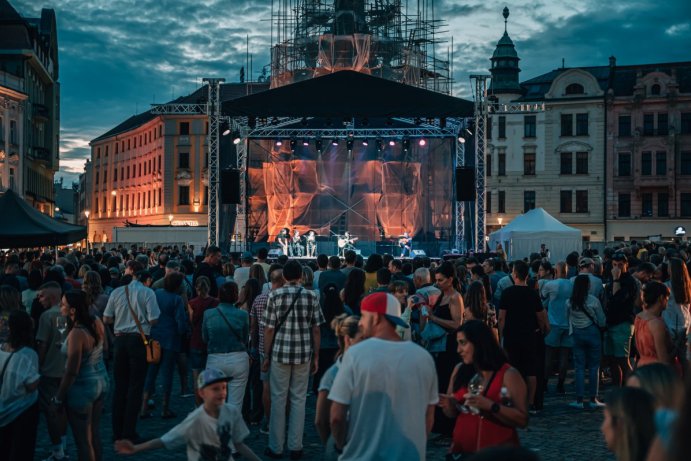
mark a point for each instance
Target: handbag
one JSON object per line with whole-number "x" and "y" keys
{"x": 434, "y": 334}
{"x": 153, "y": 347}
{"x": 587, "y": 314}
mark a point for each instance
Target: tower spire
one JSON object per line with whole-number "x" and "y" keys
{"x": 505, "y": 13}
{"x": 505, "y": 60}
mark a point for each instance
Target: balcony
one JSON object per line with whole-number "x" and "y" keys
{"x": 41, "y": 112}
{"x": 41, "y": 153}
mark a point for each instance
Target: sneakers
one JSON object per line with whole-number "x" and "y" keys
{"x": 595, "y": 403}
{"x": 578, "y": 405}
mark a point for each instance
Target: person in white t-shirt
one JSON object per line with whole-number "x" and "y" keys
{"x": 209, "y": 432}
{"x": 385, "y": 390}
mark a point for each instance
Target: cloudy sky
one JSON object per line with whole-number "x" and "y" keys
{"x": 119, "y": 56}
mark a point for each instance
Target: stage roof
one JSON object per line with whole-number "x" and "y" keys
{"x": 348, "y": 94}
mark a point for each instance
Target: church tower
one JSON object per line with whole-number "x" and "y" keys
{"x": 505, "y": 68}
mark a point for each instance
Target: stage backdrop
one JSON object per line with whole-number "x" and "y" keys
{"x": 371, "y": 193}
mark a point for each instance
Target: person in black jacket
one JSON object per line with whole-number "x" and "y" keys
{"x": 622, "y": 293}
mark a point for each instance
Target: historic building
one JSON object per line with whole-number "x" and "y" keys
{"x": 545, "y": 143}
{"x": 648, "y": 150}
{"x": 153, "y": 169}
{"x": 29, "y": 105}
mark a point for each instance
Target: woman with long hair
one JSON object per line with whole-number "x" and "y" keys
{"x": 95, "y": 298}
{"x": 347, "y": 333}
{"x": 447, "y": 313}
{"x": 677, "y": 317}
{"x": 486, "y": 396}
{"x": 477, "y": 307}
{"x": 19, "y": 392}
{"x": 372, "y": 265}
{"x": 477, "y": 273}
{"x": 308, "y": 279}
{"x": 585, "y": 317}
{"x": 85, "y": 381}
{"x": 354, "y": 289}
{"x": 249, "y": 293}
{"x": 257, "y": 272}
{"x": 28, "y": 295}
{"x": 652, "y": 338}
{"x": 196, "y": 308}
{"x": 628, "y": 426}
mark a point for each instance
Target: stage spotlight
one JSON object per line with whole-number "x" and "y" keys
{"x": 349, "y": 144}
{"x": 334, "y": 142}
{"x": 279, "y": 142}
{"x": 305, "y": 142}
{"x": 461, "y": 139}
{"x": 418, "y": 121}
{"x": 225, "y": 129}
{"x": 422, "y": 142}
{"x": 293, "y": 143}
{"x": 380, "y": 145}
{"x": 318, "y": 144}
{"x": 236, "y": 137}
{"x": 468, "y": 132}
{"x": 365, "y": 142}
{"x": 406, "y": 143}
{"x": 392, "y": 143}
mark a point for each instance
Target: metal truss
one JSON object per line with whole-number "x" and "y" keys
{"x": 213, "y": 111}
{"x": 360, "y": 133}
{"x": 241, "y": 152}
{"x": 514, "y": 108}
{"x": 480, "y": 96}
{"x": 460, "y": 206}
{"x": 195, "y": 109}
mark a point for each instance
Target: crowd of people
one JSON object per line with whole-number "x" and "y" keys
{"x": 396, "y": 352}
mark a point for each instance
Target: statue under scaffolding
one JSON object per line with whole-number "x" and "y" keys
{"x": 384, "y": 38}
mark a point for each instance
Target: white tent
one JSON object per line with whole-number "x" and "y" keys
{"x": 528, "y": 231}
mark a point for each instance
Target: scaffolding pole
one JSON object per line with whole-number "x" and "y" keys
{"x": 480, "y": 96}
{"x": 460, "y": 206}
{"x": 213, "y": 110}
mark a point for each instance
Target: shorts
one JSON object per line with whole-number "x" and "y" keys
{"x": 197, "y": 359}
{"x": 617, "y": 340}
{"x": 523, "y": 357}
{"x": 263, "y": 376}
{"x": 558, "y": 337}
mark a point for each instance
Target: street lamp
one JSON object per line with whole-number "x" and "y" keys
{"x": 500, "y": 220}
{"x": 86, "y": 213}
{"x": 170, "y": 219}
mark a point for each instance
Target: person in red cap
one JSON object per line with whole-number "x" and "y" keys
{"x": 385, "y": 391}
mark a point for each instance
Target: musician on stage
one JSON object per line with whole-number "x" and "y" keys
{"x": 282, "y": 240}
{"x": 296, "y": 244}
{"x": 311, "y": 239}
{"x": 347, "y": 242}
{"x": 406, "y": 244}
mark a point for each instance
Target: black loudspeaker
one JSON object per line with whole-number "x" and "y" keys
{"x": 230, "y": 186}
{"x": 465, "y": 184}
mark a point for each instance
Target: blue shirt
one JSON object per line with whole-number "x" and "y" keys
{"x": 218, "y": 336}
{"x": 173, "y": 323}
{"x": 555, "y": 293}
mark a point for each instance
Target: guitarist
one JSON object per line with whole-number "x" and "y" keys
{"x": 406, "y": 244}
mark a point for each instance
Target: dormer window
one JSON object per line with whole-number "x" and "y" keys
{"x": 655, "y": 90}
{"x": 574, "y": 88}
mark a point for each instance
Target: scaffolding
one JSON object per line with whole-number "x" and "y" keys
{"x": 386, "y": 38}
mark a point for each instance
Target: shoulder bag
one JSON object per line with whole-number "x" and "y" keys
{"x": 434, "y": 334}
{"x": 153, "y": 347}
{"x": 232, "y": 330}
{"x": 592, "y": 319}
{"x": 2, "y": 375}
{"x": 282, "y": 321}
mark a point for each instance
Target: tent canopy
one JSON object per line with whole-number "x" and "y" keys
{"x": 348, "y": 94}
{"x": 25, "y": 226}
{"x": 526, "y": 232}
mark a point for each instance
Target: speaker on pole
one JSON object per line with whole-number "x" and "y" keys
{"x": 230, "y": 186}
{"x": 465, "y": 184}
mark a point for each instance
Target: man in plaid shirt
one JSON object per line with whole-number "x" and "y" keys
{"x": 290, "y": 337}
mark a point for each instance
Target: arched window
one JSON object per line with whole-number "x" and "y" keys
{"x": 655, "y": 89}
{"x": 574, "y": 88}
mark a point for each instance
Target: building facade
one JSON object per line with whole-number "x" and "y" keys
{"x": 545, "y": 145}
{"x": 29, "y": 105}
{"x": 649, "y": 151}
{"x": 153, "y": 169}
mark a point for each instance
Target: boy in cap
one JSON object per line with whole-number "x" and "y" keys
{"x": 209, "y": 432}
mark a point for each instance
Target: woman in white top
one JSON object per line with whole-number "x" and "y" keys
{"x": 18, "y": 389}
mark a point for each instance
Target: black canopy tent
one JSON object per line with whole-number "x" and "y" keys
{"x": 348, "y": 94}
{"x": 25, "y": 226}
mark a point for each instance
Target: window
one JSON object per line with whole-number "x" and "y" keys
{"x": 648, "y": 124}
{"x": 581, "y": 163}
{"x": 529, "y": 164}
{"x": 624, "y": 205}
{"x": 661, "y": 163}
{"x": 581, "y": 201}
{"x": 566, "y": 163}
{"x": 663, "y": 204}
{"x": 646, "y": 164}
{"x": 106, "y": 151}
{"x": 122, "y": 173}
{"x": 582, "y": 124}
{"x": 624, "y": 164}
{"x": 160, "y": 199}
{"x": 685, "y": 163}
{"x": 685, "y": 123}
{"x": 501, "y": 202}
{"x": 488, "y": 165}
{"x": 98, "y": 151}
{"x": 148, "y": 199}
{"x": 13, "y": 132}
{"x": 574, "y": 88}
{"x": 96, "y": 203}
{"x": 184, "y": 192}
{"x": 129, "y": 144}
{"x": 135, "y": 142}
{"x": 646, "y": 204}
{"x": 529, "y": 126}
{"x": 501, "y": 167}
{"x": 528, "y": 200}
{"x": 624, "y": 125}
{"x": 184, "y": 160}
{"x": 662, "y": 125}
{"x": 567, "y": 124}
{"x": 184, "y": 129}
{"x": 685, "y": 200}
{"x": 115, "y": 203}
{"x": 489, "y": 128}
{"x": 105, "y": 177}
{"x": 206, "y": 195}
{"x": 115, "y": 175}
{"x": 116, "y": 148}
{"x": 128, "y": 172}
{"x": 488, "y": 202}
{"x": 655, "y": 89}
{"x": 502, "y": 127}
{"x": 140, "y": 170}
{"x": 565, "y": 201}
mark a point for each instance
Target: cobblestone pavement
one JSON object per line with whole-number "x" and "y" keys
{"x": 559, "y": 433}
